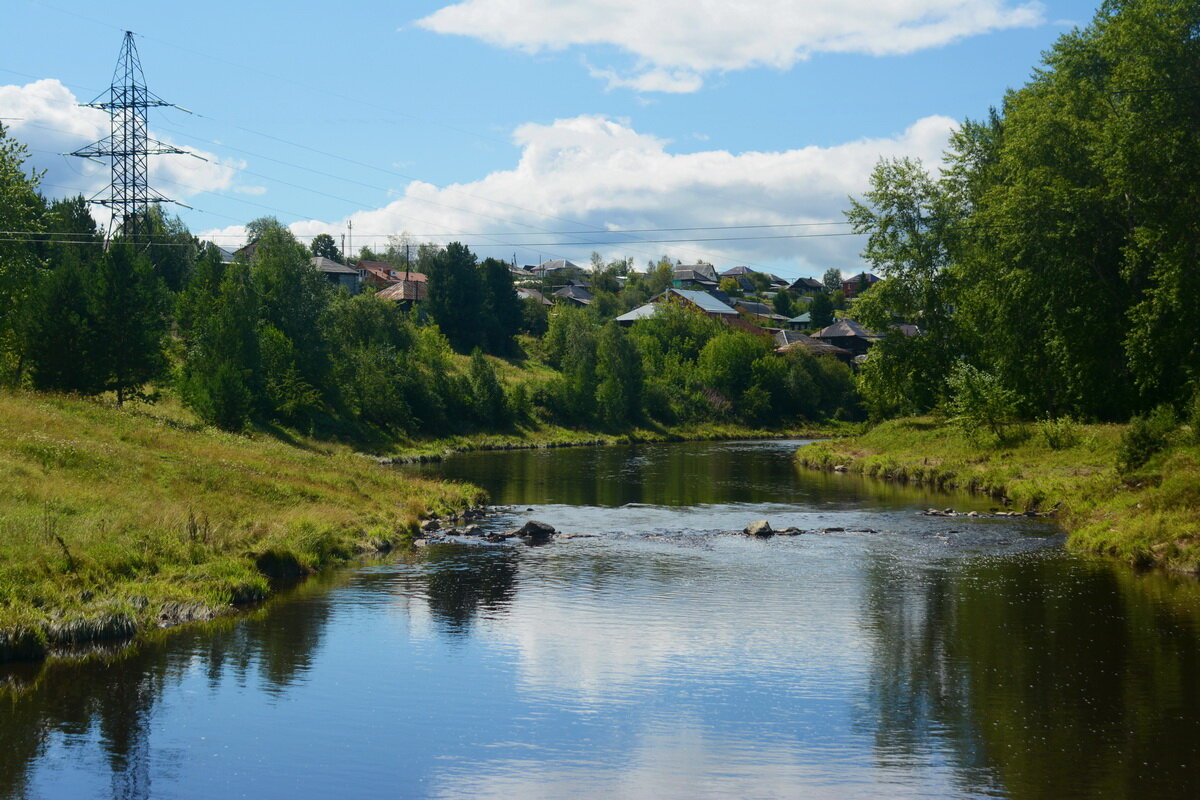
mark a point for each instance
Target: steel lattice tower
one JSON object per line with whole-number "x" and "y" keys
{"x": 129, "y": 145}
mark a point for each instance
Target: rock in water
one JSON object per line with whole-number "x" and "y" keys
{"x": 760, "y": 528}
{"x": 793, "y": 531}
{"x": 534, "y": 531}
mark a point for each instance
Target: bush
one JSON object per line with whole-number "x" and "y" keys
{"x": 1193, "y": 417}
{"x": 1144, "y": 437}
{"x": 1059, "y": 434}
{"x": 979, "y": 401}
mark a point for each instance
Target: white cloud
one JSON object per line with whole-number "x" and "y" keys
{"x": 50, "y": 121}
{"x": 603, "y": 173}
{"x": 675, "y": 42}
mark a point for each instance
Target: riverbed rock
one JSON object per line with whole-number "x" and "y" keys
{"x": 789, "y": 531}
{"x": 430, "y": 525}
{"x": 841, "y": 468}
{"x": 473, "y": 530}
{"x": 759, "y": 528}
{"x": 534, "y": 531}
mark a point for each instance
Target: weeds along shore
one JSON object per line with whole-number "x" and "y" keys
{"x": 1148, "y": 514}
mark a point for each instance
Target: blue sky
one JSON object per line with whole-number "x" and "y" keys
{"x": 505, "y": 122}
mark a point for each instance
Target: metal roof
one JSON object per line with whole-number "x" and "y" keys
{"x": 844, "y": 328}
{"x": 641, "y": 312}
{"x": 331, "y": 266}
{"x": 705, "y": 301}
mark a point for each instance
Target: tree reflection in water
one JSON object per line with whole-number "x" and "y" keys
{"x": 1045, "y": 677}
{"x": 114, "y": 696}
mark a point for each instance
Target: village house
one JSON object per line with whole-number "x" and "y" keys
{"x": 788, "y": 341}
{"x": 579, "y": 295}
{"x": 807, "y": 286}
{"x": 377, "y": 274}
{"x": 411, "y": 288}
{"x": 691, "y": 278}
{"x": 848, "y": 335}
{"x": 533, "y": 294}
{"x": 339, "y": 275}
{"x": 853, "y": 286}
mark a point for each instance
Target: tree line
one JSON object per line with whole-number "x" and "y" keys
{"x": 266, "y": 339}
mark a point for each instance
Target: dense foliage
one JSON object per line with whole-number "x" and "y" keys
{"x": 1057, "y": 252}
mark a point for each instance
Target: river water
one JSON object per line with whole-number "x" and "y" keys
{"x": 655, "y": 657}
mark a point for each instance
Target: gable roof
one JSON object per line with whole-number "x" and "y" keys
{"x": 577, "y": 293}
{"x": 703, "y": 300}
{"x": 689, "y": 274}
{"x": 807, "y": 284}
{"x": 405, "y": 290}
{"x": 844, "y": 328}
{"x": 554, "y": 265}
{"x": 329, "y": 266}
{"x": 811, "y": 345}
{"x": 734, "y": 272}
{"x": 707, "y": 270}
{"x": 641, "y": 312}
{"x": 760, "y": 309}
{"x": 802, "y": 319}
{"x": 533, "y": 294}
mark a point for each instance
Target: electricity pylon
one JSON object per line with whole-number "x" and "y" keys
{"x": 129, "y": 145}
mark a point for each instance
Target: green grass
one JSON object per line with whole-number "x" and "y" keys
{"x": 1148, "y": 518}
{"x": 117, "y": 520}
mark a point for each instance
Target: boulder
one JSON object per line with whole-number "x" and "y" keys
{"x": 473, "y": 530}
{"x": 790, "y": 531}
{"x": 430, "y": 525}
{"x": 759, "y": 528}
{"x": 534, "y": 531}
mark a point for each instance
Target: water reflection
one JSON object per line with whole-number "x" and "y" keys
{"x": 934, "y": 658}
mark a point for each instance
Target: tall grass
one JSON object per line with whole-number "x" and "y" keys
{"x": 112, "y": 520}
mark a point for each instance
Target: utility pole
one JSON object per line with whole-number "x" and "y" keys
{"x": 129, "y": 145}
{"x": 349, "y": 239}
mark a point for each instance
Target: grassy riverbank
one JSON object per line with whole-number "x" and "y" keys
{"x": 1148, "y": 517}
{"x": 116, "y": 520}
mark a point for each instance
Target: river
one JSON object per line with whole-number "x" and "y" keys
{"x": 885, "y": 655}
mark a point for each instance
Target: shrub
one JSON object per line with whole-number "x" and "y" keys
{"x": 1059, "y": 434}
{"x": 1144, "y": 437}
{"x": 979, "y": 401}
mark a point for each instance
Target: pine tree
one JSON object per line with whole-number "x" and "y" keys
{"x": 128, "y": 305}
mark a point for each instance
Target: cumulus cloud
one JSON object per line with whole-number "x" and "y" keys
{"x": 46, "y": 116}
{"x": 674, "y": 43}
{"x": 600, "y": 174}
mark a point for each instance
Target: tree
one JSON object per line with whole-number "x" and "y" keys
{"x": 503, "y": 313}
{"x": 619, "y": 372}
{"x": 820, "y": 311}
{"x": 783, "y": 304}
{"x": 217, "y": 317}
{"x": 20, "y": 210}
{"x": 832, "y": 280}
{"x": 324, "y": 246}
{"x": 486, "y": 393}
{"x": 293, "y": 298}
{"x": 910, "y": 222}
{"x": 455, "y": 299}
{"x": 731, "y": 287}
{"x": 128, "y": 308}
